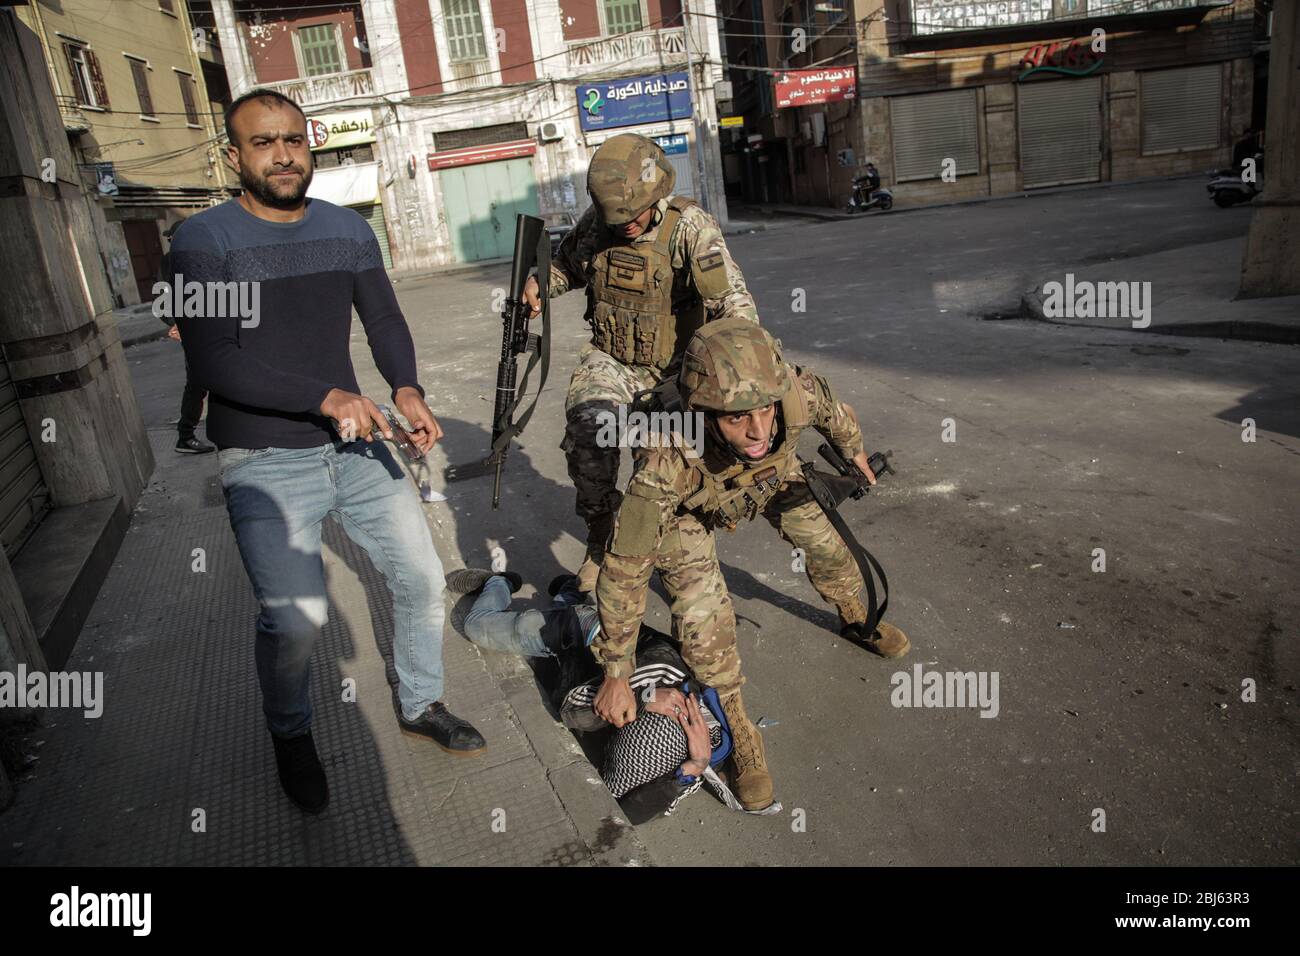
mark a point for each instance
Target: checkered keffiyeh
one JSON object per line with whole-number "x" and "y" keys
{"x": 648, "y": 748}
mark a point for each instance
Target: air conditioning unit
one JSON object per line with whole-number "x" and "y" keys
{"x": 551, "y": 131}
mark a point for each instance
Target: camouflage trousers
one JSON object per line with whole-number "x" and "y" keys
{"x": 704, "y": 619}
{"x": 600, "y": 383}
{"x": 827, "y": 560}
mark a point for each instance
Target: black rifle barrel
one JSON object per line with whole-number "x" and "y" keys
{"x": 514, "y": 334}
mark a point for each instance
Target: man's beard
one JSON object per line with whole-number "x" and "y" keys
{"x": 262, "y": 188}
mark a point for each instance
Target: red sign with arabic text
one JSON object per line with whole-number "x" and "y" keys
{"x": 481, "y": 154}
{"x": 806, "y": 87}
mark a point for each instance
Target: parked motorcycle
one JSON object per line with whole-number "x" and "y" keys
{"x": 1227, "y": 188}
{"x": 864, "y": 197}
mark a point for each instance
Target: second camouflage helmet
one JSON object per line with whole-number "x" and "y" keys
{"x": 628, "y": 175}
{"x": 732, "y": 365}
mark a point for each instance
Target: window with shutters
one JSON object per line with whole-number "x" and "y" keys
{"x": 188, "y": 97}
{"x": 319, "y": 47}
{"x": 1181, "y": 108}
{"x": 622, "y": 16}
{"x": 929, "y": 128}
{"x": 140, "y": 74}
{"x": 87, "y": 79}
{"x": 464, "y": 26}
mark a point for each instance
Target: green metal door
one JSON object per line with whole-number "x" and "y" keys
{"x": 481, "y": 203}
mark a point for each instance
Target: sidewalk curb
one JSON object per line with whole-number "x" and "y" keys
{"x": 136, "y": 338}
{"x": 831, "y": 215}
{"x": 609, "y": 837}
{"x": 1031, "y": 307}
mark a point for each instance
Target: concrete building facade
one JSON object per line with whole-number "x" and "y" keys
{"x": 74, "y": 455}
{"x": 131, "y": 88}
{"x": 440, "y": 120}
{"x": 982, "y": 98}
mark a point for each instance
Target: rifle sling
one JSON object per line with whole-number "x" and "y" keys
{"x": 866, "y": 561}
{"x": 540, "y": 356}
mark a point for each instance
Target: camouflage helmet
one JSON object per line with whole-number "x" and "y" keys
{"x": 732, "y": 365}
{"x": 628, "y": 175}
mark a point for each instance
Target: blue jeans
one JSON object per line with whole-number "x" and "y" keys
{"x": 491, "y": 624}
{"x": 277, "y": 499}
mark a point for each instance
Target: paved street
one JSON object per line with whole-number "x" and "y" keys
{"x": 1118, "y": 690}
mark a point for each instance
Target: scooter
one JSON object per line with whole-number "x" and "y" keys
{"x": 861, "y": 200}
{"x": 1227, "y": 188}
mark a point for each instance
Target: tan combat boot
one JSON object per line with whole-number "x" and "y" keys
{"x": 753, "y": 784}
{"x": 889, "y": 641}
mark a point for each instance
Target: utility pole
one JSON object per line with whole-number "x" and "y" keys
{"x": 702, "y": 188}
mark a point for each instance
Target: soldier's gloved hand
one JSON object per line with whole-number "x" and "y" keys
{"x": 615, "y": 702}
{"x": 533, "y": 296}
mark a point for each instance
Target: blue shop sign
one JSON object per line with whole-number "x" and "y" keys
{"x": 674, "y": 145}
{"x": 634, "y": 100}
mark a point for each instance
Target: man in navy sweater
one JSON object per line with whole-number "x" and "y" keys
{"x": 269, "y": 281}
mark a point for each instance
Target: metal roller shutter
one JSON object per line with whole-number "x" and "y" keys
{"x": 374, "y": 216}
{"x": 684, "y": 183}
{"x": 24, "y": 499}
{"x": 1060, "y": 132}
{"x": 931, "y": 127}
{"x": 1181, "y": 108}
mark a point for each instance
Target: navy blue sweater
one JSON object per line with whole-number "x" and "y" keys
{"x": 267, "y": 377}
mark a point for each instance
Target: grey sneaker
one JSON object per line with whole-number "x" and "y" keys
{"x": 471, "y": 580}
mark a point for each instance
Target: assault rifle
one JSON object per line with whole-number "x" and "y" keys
{"x": 532, "y": 248}
{"x": 852, "y": 483}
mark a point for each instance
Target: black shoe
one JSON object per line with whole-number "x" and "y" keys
{"x": 301, "y": 773}
{"x": 471, "y": 580}
{"x": 445, "y": 729}
{"x": 192, "y": 446}
{"x": 561, "y": 582}
{"x": 565, "y": 586}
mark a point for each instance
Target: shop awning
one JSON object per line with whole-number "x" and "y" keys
{"x": 355, "y": 185}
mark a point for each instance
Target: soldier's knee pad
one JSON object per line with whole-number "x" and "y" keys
{"x": 592, "y": 427}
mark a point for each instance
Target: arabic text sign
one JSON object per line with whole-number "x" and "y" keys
{"x": 946, "y": 16}
{"x": 634, "y": 100}
{"x": 806, "y": 87}
{"x": 472, "y": 155}
{"x": 334, "y": 130}
{"x": 674, "y": 145}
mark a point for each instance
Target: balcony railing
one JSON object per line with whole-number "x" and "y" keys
{"x": 74, "y": 120}
{"x": 329, "y": 88}
{"x": 628, "y": 46}
{"x": 470, "y": 74}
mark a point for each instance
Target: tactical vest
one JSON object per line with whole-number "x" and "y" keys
{"x": 630, "y": 297}
{"x": 725, "y": 495}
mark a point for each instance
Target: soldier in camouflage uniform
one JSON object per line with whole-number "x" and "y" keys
{"x": 655, "y": 268}
{"x": 755, "y": 406}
